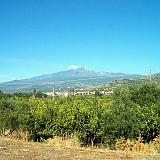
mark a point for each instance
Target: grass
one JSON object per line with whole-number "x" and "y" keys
{"x": 59, "y": 149}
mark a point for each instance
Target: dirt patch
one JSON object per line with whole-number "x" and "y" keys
{"x": 19, "y": 150}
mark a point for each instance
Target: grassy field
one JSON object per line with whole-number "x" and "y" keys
{"x": 19, "y": 150}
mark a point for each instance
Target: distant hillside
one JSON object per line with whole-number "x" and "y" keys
{"x": 64, "y": 80}
{"x": 155, "y": 78}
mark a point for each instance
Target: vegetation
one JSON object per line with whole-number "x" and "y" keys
{"x": 132, "y": 111}
{"x": 14, "y": 149}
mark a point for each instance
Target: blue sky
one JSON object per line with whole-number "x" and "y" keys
{"x": 46, "y": 36}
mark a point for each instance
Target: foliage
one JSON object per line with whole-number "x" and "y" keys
{"x": 132, "y": 111}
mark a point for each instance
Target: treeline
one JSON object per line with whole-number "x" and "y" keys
{"x": 132, "y": 111}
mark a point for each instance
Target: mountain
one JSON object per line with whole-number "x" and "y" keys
{"x": 156, "y": 77}
{"x": 64, "y": 80}
{"x": 74, "y": 74}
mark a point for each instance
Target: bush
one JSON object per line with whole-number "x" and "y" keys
{"x": 132, "y": 111}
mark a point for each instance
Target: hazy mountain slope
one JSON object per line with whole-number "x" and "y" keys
{"x": 156, "y": 77}
{"x": 64, "y": 80}
{"x": 76, "y": 74}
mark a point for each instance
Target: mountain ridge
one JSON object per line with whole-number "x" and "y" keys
{"x": 72, "y": 74}
{"x": 73, "y": 78}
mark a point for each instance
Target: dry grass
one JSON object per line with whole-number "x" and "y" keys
{"x": 60, "y": 149}
{"x": 138, "y": 147}
{"x": 61, "y": 142}
{"x": 18, "y": 135}
{"x": 157, "y": 144}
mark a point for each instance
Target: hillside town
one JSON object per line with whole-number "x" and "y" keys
{"x": 79, "y": 92}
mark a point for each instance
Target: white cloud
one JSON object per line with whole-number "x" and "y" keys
{"x": 73, "y": 67}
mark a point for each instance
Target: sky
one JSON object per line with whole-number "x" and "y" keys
{"x": 46, "y": 36}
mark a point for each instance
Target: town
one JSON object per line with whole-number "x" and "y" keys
{"x": 79, "y": 92}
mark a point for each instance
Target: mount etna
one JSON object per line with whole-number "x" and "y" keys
{"x": 64, "y": 80}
